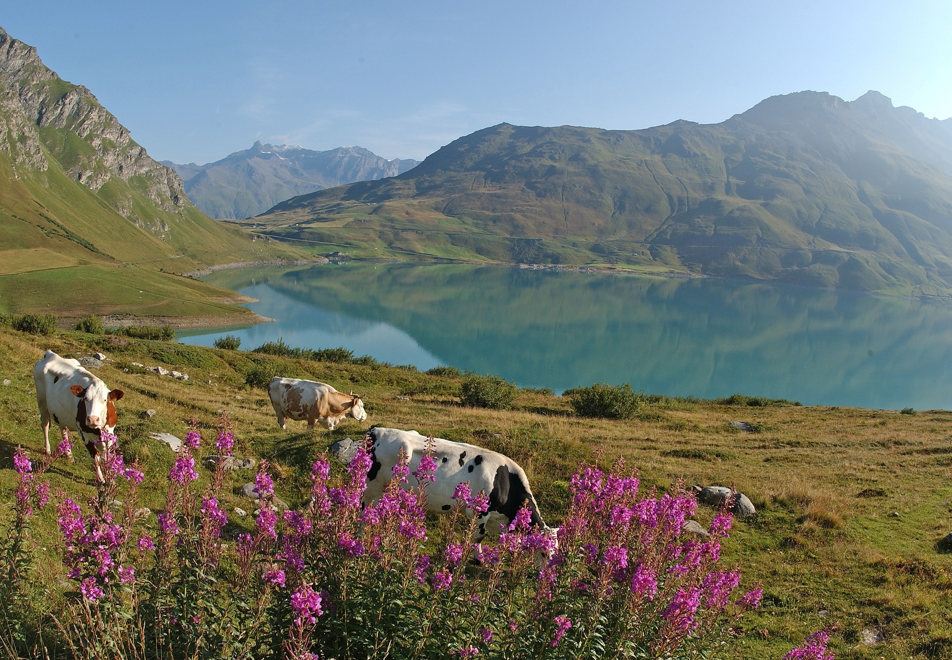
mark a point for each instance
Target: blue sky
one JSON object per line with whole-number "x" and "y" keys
{"x": 195, "y": 81}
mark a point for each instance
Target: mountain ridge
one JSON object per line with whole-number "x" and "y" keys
{"x": 804, "y": 187}
{"x": 248, "y": 182}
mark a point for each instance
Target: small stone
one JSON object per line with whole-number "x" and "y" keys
{"x": 169, "y": 439}
{"x": 694, "y": 527}
{"x": 90, "y": 362}
{"x": 6, "y": 381}
{"x": 100, "y": 357}
{"x": 871, "y": 636}
{"x": 149, "y": 414}
{"x": 743, "y": 426}
{"x": 240, "y": 512}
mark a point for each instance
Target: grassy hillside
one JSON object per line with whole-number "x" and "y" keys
{"x": 851, "y": 502}
{"x": 804, "y": 188}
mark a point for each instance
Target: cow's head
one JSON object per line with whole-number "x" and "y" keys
{"x": 357, "y": 408}
{"x": 96, "y": 410}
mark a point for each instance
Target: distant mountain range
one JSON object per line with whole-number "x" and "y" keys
{"x": 803, "y": 188}
{"x": 89, "y": 223}
{"x": 250, "y": 182}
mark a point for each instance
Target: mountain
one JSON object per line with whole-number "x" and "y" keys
{"x": 249, "y": 182}
{"x": 803, "y": 188}
{"x": 88, "y": 221}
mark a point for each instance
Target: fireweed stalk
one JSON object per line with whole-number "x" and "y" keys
{"x": 347, "y": 580}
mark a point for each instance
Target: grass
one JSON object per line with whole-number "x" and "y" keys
{"x": 851, "y": 502}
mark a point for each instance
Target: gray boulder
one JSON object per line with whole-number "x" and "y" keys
{"x": 169, "y": 439}
{"x": 715, "y": 496}
{"x": 345, "y": 450}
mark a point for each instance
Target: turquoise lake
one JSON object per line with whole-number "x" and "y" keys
{"x": 706, "y": 338}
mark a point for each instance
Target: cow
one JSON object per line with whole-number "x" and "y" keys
{"x": 488, "y": 471}
{"x": 75, "y": 400}
{"x": 298, "y": 399}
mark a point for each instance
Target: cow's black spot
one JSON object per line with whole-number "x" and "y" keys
{"x": 56, "y": 379}
{"x": 462, "y": 459}
{"x": 482, "y": 529}
{"x": 56, "y": 420}
{"x": 478, "y": 459}
{"x": 444, "y": 459}
{"x": 447, "y": 507}
{"x": 470, "y": 468}
{"x": 375, "y": 466}
{"x": 508, "y": 495}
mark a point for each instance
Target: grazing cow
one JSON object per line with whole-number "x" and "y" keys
{"x": 75, "y": 400}
{"x": 491, "y": 472}
{"x": 308, "y": 400}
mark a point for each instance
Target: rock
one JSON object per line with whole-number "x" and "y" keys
{"x": 90, "y": 362}
{"x": 345, "y": 450}
{"x": 143, "y": 512}
{"x": 178, "y": 375}
{"x": 248, "y": 490}
{"x": 169, "y": 439}
{"x": 100, "y": 357}
{"x": 240, "y": 512}
{"x": 694, "y": 527}
{"x": 715, "y": 496}
{"x": 162, "y": 371}
{"x": 6, "y": 381}
{"x": 231, "y": 463}
{"x": 148, "y": 414}
{"x": 945, "y": 545}
{"x": 743, "y": 426}
{"x": 871, "y": 636}
{"x": 137, "y": 364}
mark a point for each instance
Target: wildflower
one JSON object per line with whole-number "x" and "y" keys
{"x": 145, "y": 543}
{"x": 486, "y": 635}
{"x": 214, "y": 514}
{"x": 90, "y": 590}
{"x": 133, "y": 474}
{"x": 717, "y": 588}
{"x": 751, "y": 600}
{"x": 680, "y": 613}
{"x": 264, "y": 486}
{"x": 422, "y": 566}
{"x": 275, "y": 576}
{"x": 644, "y": 583}
{"x": 193, "y": 438}
{"x": 562, "y": 623}
{"x": 467, "y": 652}
{"x": 65, "y": 447}
{"x": 267, "y": 519}
{"x": 307, "y": 605}
{"x": 350, "y": 545}
{"x": 488, "y": 555}
{"x": 814, "y": 649}
{"x": 183, "y": 470}
{"x": 167, "y": 523}
{"x": 21, "y": 462}
{"x": 441, "y": 580}
{"x": 463, "y": 493}
{"x": 721, "y": 525}
{"x": 126, "y": 574}
{"x": 454, "y": 554}
{"x": 226, "y": 441}
{"x": 426, "y": 470}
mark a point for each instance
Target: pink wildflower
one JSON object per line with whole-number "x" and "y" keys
{"x": 562, "y": 623}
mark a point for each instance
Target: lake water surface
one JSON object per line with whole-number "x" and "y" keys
{"x": 680, "y": 337}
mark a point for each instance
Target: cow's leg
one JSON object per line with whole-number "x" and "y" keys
{"x": 97, "y": 464}
{"x": 45, "y": 425}
{"x": 281, "y": 422}
{"x": 67, "y": 443}
{"x": 331, "y": 423}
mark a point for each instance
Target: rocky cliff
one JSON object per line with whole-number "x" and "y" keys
{"x": 87, "y": 140}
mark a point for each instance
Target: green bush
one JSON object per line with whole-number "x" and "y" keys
{"x": 448, "y": 372}
{"x": 156, "y": 332}
{"x": 276, "y": 348}
{"x": 609, "y": 401}
{"x": 338, "y": 354}
{"x": 228, "y": 342}
{"x": 487, "y": 392}
{"x": 260, "y": 375}
{"x": 35, "y": 324}
{"x": 91, "y": 324}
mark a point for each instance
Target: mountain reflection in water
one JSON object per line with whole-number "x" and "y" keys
{"x": 680, "y": 337}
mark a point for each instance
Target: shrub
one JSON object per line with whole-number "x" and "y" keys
{"x": 487, "y": 392}
{"x": 91, "y": 324}
{"x": 228, "y": 342}
{"x": 260, "y": 375}
{"x": 446, "y": 372}
{"x": 609, "y": 401}
{"x": 338, "y": 354}
{"x": 154, "y": 332}
{"x": 35, "y": 324}
{"x": 276, "y": 348}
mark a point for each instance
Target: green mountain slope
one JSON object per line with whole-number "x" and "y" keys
{"x": 84, "y": 209}
{"x": 250, "y": 182}
{"x": 805, "y": 188}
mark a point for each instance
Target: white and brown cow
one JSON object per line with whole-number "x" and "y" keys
{"x": 75, "y": 400}
{"x": 298, "y": 399}
{"x": 488, "y": 471}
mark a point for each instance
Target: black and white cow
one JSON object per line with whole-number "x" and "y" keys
{"x": 497, "y": 475}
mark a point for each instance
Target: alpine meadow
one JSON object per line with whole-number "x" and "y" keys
{"x": 741, "y": 526}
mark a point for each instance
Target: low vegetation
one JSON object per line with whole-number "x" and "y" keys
{"x": 852, "y": 505}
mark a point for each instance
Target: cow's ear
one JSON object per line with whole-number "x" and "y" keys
{"x": 77, "y": 390}
{"x": 115, "y": 395}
